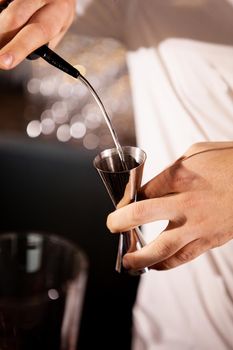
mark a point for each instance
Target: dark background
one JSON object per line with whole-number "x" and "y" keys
{"x": 48, "y": 186}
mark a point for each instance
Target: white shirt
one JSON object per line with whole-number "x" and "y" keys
{"x": 180, "y": 59}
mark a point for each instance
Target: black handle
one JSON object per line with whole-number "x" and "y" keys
{"x": 47, "y": 54}
{"x": 55, "y": 60}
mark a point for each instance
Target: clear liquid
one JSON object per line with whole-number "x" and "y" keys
{"x": 107, "y": 119}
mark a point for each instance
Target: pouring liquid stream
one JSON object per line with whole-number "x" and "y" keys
{"x": 57, "y": 61}
{"x": 107, "y": 120}
{"x": 140, "y": 240}
{"x": 139, "y": 237}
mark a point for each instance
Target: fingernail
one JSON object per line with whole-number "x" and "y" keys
{"x": 6, "y": 60}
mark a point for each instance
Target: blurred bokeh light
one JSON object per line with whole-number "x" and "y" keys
{"x": 66, "y": 110}
{"x": 42, "y": 102}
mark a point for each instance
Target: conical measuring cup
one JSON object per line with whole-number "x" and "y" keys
{"x": 122, "y": 186}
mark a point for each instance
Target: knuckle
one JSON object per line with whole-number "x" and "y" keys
{"x": 178, "y": 181}
{"x": 181, "y": 177}
{"x": 167, "y": 179}
{"x": 43, "y": 30}
{"x": 206, "y": 242}
{"x": 176, "y": 172}
{"x": 163, "y": 249}
{"x": 25, "y": 49}
{"x": 216, "y": 242}
{"x": 175, "y": 177}
{"x": 138, "y": 212}
{"x": 14, "y": 20}
{"x": 165, "y": 265}
{"x": 184, "y": 256}
{"x": 47, "y": 31}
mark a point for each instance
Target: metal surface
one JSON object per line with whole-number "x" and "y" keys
{"x": 122, "y": 186}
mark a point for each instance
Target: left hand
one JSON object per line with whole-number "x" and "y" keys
{"x": 26, "y": 25}
{"x": 196, "y": 195}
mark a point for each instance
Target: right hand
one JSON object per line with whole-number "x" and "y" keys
{"x": 26, "y": 25}
{"x": 195, "y": 194}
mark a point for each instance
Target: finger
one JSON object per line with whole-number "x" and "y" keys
{"x": 159, "y": 186}
{"x": 139, "y": 213}
{"x": 184, "y": 255}
{"x": 55, "y": 41}
{"x": 32, "y": 36}
{"x": 15, "y": 16}
{"x": 163, "y": 247}
{"x": 175, "y": 179}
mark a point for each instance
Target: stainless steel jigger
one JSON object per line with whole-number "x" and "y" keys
{"x": 122, "y": 186}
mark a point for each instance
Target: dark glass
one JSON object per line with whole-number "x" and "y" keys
{"x": 42, "y": 284}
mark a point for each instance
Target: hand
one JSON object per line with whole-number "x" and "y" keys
{"x": 26, "y": 25}
{"x": 196, "y": 195}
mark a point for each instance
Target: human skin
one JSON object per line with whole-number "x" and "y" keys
{"x": 196, "y": 195}
{"x": 26, "y": 25}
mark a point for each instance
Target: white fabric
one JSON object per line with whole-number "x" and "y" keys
{"x": 180, "y": 58}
